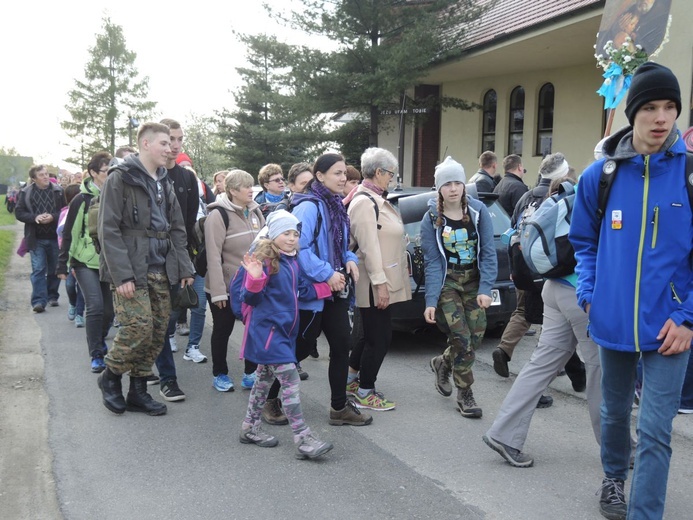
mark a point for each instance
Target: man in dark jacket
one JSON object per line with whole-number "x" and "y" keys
{"x": 143, "y": 241}
{"x": 511, "y": 187}
{"x": 485, "y": 179}
{"x": 39, "y": 207}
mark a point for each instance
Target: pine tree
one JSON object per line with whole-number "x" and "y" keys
{"x": 384, "y": 48}
{"x": 267, "y": 125}
{"x": 111, "y": 92}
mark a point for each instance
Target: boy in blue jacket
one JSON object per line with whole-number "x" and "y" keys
{"x": 635, "y": 281}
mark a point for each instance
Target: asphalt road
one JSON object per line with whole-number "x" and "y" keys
{"x": 421, "y": 460}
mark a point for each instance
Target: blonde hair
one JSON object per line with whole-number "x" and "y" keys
{"x": 237, "y": 179}
{"x": 267, "y": 252}
{"x": 463, "y": 204}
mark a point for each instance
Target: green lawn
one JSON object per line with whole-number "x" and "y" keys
{"x": 6, "y": 241}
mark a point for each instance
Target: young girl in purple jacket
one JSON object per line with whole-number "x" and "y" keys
{"x": 270, "y": 293}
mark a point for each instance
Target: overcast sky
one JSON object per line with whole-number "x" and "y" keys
{"x": 188, "y": 52}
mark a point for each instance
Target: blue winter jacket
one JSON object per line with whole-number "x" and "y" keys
{"x": 435, "y": 263}
{"x": 314, "y": 267}
{"x": 638, "y": 276}
{"x": 271, "y": 318}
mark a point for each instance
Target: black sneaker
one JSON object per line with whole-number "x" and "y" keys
{"x": 545, "y": 401}
{"x": 301, "y": 373}
{"x": 500, "y": 362}
{"x": 38, "y": 308}
{"x": 314, "y": 353}
{"x": 152, "y": 380}
{"x": 170, "y": 391}
{"x": 612, "y": 503}
{"x": 514, "y": 456}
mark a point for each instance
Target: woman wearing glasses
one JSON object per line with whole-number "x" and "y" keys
{"x": 77, "y": 253}
{"x": 271, "y": 179}
{"x": 377, "y": 233}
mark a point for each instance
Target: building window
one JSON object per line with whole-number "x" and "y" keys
{"x": 545, "y": 120}
{"x": 517, "y": 121}
{"x": 488, "y": 130}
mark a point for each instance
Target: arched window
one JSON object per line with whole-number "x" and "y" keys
{"x": 488, "y": 125}
{"x": 517, "y": 121}
{"x": 545, "y": 120}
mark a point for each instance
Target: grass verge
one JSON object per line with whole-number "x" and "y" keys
{"x": 6, "y": 241}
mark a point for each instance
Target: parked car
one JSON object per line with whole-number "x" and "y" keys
{"x": 408, "y": 316}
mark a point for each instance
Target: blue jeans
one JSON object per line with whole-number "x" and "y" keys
{"x": 662, "y": 381}
{"x": 687, "y": 390}
{"x": 74, "y": 294}
{"x": 197, "y": 315}
{"x": 164, "y": 361}
{"x": 99, "y": 304}
{"x": 44, "y": 282}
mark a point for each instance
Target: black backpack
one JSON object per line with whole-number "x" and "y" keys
{"x": 198, "y": 247}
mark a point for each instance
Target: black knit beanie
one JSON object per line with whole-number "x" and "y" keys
{"x": 652, "y": 82}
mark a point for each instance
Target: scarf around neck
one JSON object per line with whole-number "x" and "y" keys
{"x": 339, "y": 220}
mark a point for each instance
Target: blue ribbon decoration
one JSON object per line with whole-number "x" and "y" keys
{"x": 615, "y": 86}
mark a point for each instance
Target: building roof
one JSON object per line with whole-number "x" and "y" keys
{"x": 507, "y": 18}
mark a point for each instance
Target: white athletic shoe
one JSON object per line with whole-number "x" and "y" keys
{"x": 193, "y": 354}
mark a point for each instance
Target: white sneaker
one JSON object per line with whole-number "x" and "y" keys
{"x": 182, "y": 329}
{"x": 193, "y": 354}
{"x": 174, "y": 345}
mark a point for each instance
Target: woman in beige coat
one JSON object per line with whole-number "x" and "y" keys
{"x": 383, "y": 274}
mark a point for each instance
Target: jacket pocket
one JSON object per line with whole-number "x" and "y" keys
{"x": 655, "y": 228}
{"x": 674, "y": 293}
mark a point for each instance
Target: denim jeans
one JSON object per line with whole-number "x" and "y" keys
{"x": 661, "y": 392}
{"x": 74, "y": 294}
{"x": 44, "y": 281}
{"x": 197, "y": 315}
{"x": 99, "y": 307}
{"x": 687, "y": 390}
{"x": 164, "y": 361}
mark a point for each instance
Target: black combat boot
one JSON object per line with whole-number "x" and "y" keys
{"x": 139, "y": 400}
{"x": 112, "y": 390}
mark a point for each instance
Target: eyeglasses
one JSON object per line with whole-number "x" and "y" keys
{"x": 391, "y": 173}
{"x": 103, "y": 171}
{"x": 159, "y": 193}
{"x": 278, "y": 180}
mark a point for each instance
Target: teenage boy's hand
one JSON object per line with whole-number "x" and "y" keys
{"x": 677, "y": 339}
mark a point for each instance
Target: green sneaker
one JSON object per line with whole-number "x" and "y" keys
{"x": 373, "y": 401}
{"x": 353, "y": 387}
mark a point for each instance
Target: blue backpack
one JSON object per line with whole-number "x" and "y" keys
{"x": 544, "y": 239}
{"x": 238, "y": 306}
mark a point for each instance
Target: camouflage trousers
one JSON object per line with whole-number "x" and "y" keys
{"x": 143, "y": 322}
{"x": 460, "y": 318}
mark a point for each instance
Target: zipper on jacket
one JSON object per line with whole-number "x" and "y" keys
{"x": 655, "y": 223}
{"x": 673, "y": 291}
{"x": 269, "y": 338}
{"x": 641, "y": 246}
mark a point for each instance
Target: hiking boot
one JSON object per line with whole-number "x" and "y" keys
{"x": 466, "y": 403}
{"x": 257, "y": 436}
{"x": 310, "y": 447}
{"x": 301, "y": 374}
{"x": 193, "y": 354}
{"x": 182, "y": 329}
{"x": 138, "y": 400}
{"x": 352, "y": 387}
{"x": 349, "y": 415}
{"x": 545, "y": 401}
{"x": 112, "y": 391}
{"x": 513, "y": 456}
{"x": 500, "y": 362}
{"x": 612, "y": 503}
{"x": 171, "y": 392}
{"x": 442, "y": 371}
{"x": 272, "y": 412}
{"x": 373, "y": 401}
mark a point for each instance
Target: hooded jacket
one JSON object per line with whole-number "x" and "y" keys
{"x": 635, "y": 266}
{"x": 317, "y": 257}
{"x": 126, "y": 220}
{"x": 77, "y": 247}
{"x": 435, "y": 263}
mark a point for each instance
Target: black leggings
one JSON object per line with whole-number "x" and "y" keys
{"x": 333, "y": 321}
{"x": 370, "y": 349}
{"x": 223, "y": 321}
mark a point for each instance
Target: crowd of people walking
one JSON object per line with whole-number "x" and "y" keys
{"x": 141, "y": 231}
